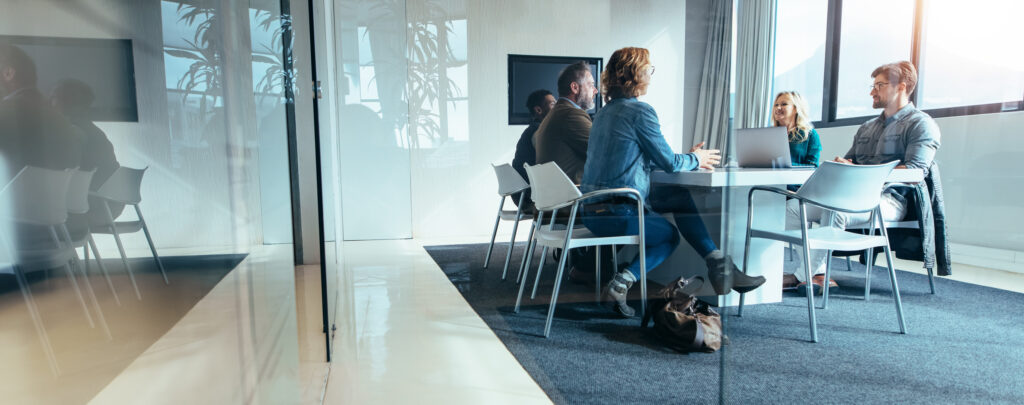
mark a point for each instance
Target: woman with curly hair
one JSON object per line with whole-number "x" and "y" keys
{"x": 626, "y": 143}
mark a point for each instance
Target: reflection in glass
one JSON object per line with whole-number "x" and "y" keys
{"x": 168, "y": 108}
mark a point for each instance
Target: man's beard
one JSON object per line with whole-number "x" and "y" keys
{"x": 586, "y": 102}
{"x": 880, "y": 103}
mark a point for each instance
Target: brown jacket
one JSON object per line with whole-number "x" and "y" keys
{"x": 562, "y": 138}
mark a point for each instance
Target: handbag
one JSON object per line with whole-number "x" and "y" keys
{"x": 685, "y": 323}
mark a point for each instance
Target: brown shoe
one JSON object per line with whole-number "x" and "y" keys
{"x": 818, "y": 281}
{"x": 789, "y": 281}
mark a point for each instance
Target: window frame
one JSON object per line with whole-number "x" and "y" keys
{"x": 829, "y": 102}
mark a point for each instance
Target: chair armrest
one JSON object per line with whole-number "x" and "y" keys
{"x": 791, "y": 194}
{"x": 891, "y": 186}
{"x": 787, "y": 193}
{"x": 596, "y": 193}
{"x": 612, "y": 191}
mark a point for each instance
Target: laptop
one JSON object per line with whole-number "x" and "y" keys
{"x": 763, "y": 148}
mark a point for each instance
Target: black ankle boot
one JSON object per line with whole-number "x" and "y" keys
{"x": 737, "y": 281}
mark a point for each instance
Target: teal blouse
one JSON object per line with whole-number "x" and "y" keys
{"x": 808, "y": 152}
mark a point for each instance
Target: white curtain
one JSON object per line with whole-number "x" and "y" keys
{"x": 712, "y": 120}
{"x": 755, "y": 54}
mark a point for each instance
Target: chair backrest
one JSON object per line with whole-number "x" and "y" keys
{"x": 549, "y": 186}
{"x": 123, "y": 186}
{"x": 847, "y": 187}
{"x": 36, "y": 196}
{"x": 78, "y": 191}
{"x": 509, "y": 181}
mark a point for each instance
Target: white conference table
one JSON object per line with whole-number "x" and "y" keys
{"x": 721, "y": 196}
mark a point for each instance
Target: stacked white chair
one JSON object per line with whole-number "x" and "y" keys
{"x": 552, "y": 190}
{"x": 509, "y": 183}
{"x": 38, "y": 197}
{"x": 124, "y": 186}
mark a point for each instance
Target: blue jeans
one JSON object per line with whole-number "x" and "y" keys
{"x": 660, "y": 237}
{"x": 679, "y": 202}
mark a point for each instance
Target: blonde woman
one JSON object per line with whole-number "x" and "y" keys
{"x": 790, "y": 111}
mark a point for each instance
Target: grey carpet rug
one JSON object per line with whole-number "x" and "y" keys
{"x": 964, "y": 344}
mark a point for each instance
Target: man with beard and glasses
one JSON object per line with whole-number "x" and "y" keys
{"x": 901, "y": 132}
{"x": 562, "y": 136}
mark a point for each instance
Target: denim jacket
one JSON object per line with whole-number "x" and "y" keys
{"x": 625, "y": 145}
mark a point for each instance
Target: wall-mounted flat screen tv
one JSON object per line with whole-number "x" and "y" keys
{"x": 527, "y": 73}
{"x": 106, "y": 65}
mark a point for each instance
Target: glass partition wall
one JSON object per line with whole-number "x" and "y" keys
{"x": 951, "y": 99}
{"x": 145, "y": 210}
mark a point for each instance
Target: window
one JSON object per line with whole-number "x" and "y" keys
{"x": 977, "y": 64}
{"x": 966, "y": 54}
{"x": 874, "y": 32}
{"x": 800, "y": 50}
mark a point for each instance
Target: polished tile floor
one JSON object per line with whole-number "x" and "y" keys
{"x": 406, "y": 335}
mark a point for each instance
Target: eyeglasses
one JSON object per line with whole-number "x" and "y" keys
{"x": 878, "y": 86}
{"x": 650, "y": 71}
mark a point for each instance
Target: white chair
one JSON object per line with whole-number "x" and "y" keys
{"x": 124, "y": 186}
{"x": 78, "y": 203}
{"x": 37, "y": 197}
{"x": 836, "y": 187}
{"x": 552, "y": 190}
{"x": 912, "y": 224}
{"x": 509, "y": 183}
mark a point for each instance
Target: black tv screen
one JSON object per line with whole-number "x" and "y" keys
{"x": 106, "y": 65}
{"x": 527, "y": 73}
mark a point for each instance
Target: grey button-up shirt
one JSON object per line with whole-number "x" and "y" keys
{"x": 910, "y": 136}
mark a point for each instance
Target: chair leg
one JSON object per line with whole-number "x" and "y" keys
{"x": 73, "y": 280}
{"x": 511, "y": 245}
{"x": 746, "y": 257}
{"x": 540, "y": 269}
{"x": 522, "y": 284}
{"x": 527, "y": 254}
{"x": 870, "y": 264}
{"x": 120, "y": 249}
{"x": 810, "y": 294}
{"x": 152, "y": 247}
{"x": 643, "y": 284}
{"x": 497, "y": 219}
{"x": 554, "y": 293}
{"x": 37, "y": 321}
{"x": 931, "y": 280}
{"x": 828, "y": 275}
{"x": 597, "y": 273}
{"x": 895, "y": 291}
{"x": 91, "y": 243}
{"x": 88, "y": 284}
{"x": 849, "y": 267}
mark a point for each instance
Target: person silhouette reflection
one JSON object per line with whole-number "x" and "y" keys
{"x": 32, "y": 133}
{"x": 74, "y": 99}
